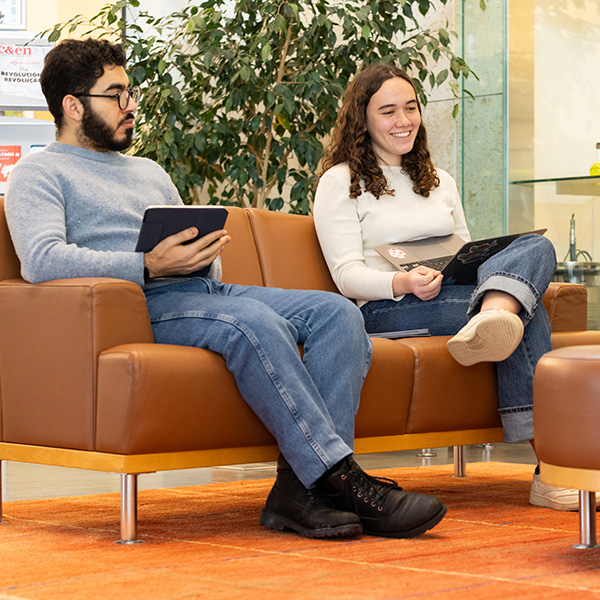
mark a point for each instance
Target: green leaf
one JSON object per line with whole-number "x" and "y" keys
{"x": 255, "y": 123}
{"x": 441, "y": 77}
{"x": 283, "y": 120}
{"x": 289, "y": 105}
{"x": 265, "y": 53}
{"x": 444, "y": 36}
{"x": 245, "y": 73}
{"x": 281, "y": 175}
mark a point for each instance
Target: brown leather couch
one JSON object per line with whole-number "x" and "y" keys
{"x": 82, "y": 383}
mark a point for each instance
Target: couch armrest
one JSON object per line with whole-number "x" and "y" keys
{"x": 51, "y": 336}
{"x": 566, "y": 304}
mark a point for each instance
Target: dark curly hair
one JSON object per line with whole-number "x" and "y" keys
{"x": 72, "y": 67}
{"x": 351, "y": 141}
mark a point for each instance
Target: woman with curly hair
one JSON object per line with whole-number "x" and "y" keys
{"x": 379, "y": 186}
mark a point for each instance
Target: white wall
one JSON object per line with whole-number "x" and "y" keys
{"x": 567, "y": 86}
{"x": 567, "y": 116}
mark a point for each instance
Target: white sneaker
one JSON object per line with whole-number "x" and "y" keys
{"x": 549, "y": 496}
{"x": 490, "y": 336}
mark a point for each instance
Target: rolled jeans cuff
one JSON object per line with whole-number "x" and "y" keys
{"x": 518, "y": 289}
{"x": 517, "y": 425}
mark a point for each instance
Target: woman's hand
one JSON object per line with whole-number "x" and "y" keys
{"x": 421, "y": 281}
{"x": 173, "y": 256}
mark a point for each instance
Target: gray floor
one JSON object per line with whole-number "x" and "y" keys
{"x": 21, "y": 481}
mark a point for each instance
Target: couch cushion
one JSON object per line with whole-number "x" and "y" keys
{"x": 289, "y": 251}
{"x": 162, "y": 398}
{"x": 447, "y": 396}
{"x": 240, "y": 257}
{"x": 386, "y": 393}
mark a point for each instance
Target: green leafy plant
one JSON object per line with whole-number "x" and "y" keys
{"x": 238, "y": 98}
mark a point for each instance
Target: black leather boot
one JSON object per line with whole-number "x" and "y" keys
{"x": 308, "y": 512}
{"x": 383, "y": 507}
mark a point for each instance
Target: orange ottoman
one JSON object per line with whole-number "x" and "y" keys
{"x": 566, "y": 421}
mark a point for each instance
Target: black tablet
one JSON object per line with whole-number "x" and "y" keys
{"x": 161, "y": 222}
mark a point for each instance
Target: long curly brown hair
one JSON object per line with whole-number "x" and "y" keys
{"x": 351, "y": 141}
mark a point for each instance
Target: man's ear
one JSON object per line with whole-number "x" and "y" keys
{"x": 72, "y": 108}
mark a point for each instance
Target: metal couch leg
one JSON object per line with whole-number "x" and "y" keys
{"x": 459, "y": 462}
{"x": 587, "y": 520}
{"x": 426, "y": 453}
{"x": 129, "y": 509}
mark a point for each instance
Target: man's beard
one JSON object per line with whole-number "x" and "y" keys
{"x": 101, "y": 135}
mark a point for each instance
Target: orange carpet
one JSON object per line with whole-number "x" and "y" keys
{"x": 205, "y": 542}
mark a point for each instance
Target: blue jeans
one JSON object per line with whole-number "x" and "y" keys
{"x": 523, "y": 270}
{"x": 308, "y": 403}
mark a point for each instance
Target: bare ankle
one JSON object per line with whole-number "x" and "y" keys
{"x": 497, "y": 300}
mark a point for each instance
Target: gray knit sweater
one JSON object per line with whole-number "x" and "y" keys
{"x": 74, "y": 212}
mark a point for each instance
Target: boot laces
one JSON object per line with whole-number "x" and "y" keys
{"x": 370, "y": 489}
{"x": 317, "y": 498}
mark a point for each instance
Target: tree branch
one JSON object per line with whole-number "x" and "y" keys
{"x": 259, "y": 200}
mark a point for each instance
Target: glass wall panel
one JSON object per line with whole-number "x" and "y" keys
{"x": 481, "y": 151}
{"x": 554, "y": 129}
{"x": 567, "y": 118}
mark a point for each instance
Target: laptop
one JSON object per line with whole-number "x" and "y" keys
{"x": 456, "y": 259}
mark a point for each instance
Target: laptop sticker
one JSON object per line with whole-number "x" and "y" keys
{"x": 397, "y": 253}
{"x": 476, "y": 252}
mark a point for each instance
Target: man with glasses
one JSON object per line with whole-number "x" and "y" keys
{"x": 75, "y": 210}
{"x": 95, "y": 128}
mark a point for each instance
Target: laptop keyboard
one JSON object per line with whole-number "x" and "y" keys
{"x": 437, "y": 264}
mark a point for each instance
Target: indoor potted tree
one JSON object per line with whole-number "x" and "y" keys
{"x": 239, "y": 97}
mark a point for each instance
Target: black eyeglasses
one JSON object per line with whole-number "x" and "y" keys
{"x": 122, "y": 98}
